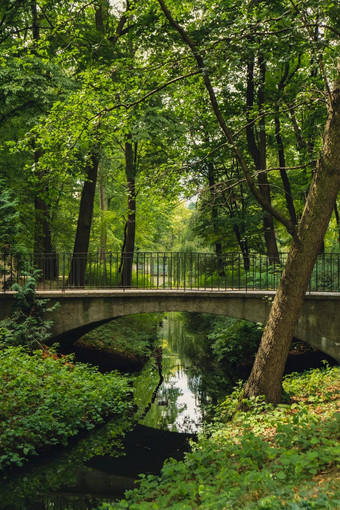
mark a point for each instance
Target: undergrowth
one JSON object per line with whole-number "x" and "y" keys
{"x": 270, "y": 458}
{"x": 133, "y": 335}
{"x": 44, "y": 400}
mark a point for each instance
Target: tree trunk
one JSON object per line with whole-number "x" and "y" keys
{"x": 214, "y": 218}
{"x": 266, "y": 376}
{"x": 81, "y": 244}
{"x": 282, "y": 164}
{"x": 337, "y": 218}
{"x": 45, "y": 257}
{"x": 127, "y": 252}
{"x": 103, "y": 209}
{"x": 258, "y": 153}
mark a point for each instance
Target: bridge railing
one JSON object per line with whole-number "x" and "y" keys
{"x": 161, "y": 270}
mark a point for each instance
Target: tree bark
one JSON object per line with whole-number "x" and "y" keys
{"x": 259, "y": 154}
{"x": 282, "y": 165}
{"x": 266, "y": 376}
{"x": 214, "y": 218}
{"x": 103, "y": 209}
{"x": 81, "y": 244}
{"x": 45, "y": 257}
{"x": 129, "y": 247}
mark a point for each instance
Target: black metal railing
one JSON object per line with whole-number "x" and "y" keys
{"x": 161, "y": 270}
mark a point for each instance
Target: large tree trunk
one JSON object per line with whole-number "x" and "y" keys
{"x": 81, "y": 244}
{"x": 129, "y": 245}
{"x": 266, "y": 376}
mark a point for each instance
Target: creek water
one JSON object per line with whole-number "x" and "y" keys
{"x": 100, "y": 466}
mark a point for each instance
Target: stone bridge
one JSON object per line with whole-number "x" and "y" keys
{"x": 83, "y": 310}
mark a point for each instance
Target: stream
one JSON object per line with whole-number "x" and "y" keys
{"x": 99, "y": 466}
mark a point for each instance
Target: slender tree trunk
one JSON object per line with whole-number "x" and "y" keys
{"x": 266, "y": 376}
{"x": 127, "y": 253}
{"x": 81, "y": 244}
{"x": 45, "y": 257}
{"x": 258, "y": 153}
{"x": 214, "y": 218}
{"x": 243, "y": 246}
{"x": 282, "y": 164}
{"x": 103, "y": 209}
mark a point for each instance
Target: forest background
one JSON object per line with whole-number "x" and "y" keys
{"x": 114, "y": 115}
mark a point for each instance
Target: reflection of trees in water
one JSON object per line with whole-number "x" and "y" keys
{"x": 187, "y": 364}
{"x": 208, "y": 379}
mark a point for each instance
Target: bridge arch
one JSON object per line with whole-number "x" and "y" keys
{"x": 81, "y": 310}
{"x": 319, "y": 323}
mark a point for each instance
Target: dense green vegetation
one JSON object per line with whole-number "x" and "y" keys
{"x": 130, "y": 339}
{"x": 270, "y": 458}
{"x": 46, "y": 400}
{"x": 114, "y": 105}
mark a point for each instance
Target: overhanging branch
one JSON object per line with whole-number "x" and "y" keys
{"x": 225, "y": 129}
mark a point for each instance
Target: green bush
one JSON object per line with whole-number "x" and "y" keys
{"x": 45, "y": 400}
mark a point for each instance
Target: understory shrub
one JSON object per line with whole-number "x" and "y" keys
{"x": 44, "y": 400}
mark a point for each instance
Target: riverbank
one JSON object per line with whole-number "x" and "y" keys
{"x": 123, "y": 344}
{"x": 46, "y": 400}
{"x": 269, "y": 458}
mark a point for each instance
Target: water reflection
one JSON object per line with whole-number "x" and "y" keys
{"x": 176, "y": 406}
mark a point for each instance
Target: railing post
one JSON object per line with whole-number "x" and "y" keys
{"x": 184, "y": 268}
{"x": 63, "y": 274}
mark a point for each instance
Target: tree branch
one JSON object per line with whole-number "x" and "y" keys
{"x": 227, "y": 133}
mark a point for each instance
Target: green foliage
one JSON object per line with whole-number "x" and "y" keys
{"x": 21, "y": 491}
{"x": 133, "y": 335}
{"x": 270, "y": 458}
{"x": 10, "y": 244}
{"x": 9, "y": 225}
{"x": 236, "y": 343}
{"x": 27, "y": 325}
{"x": 46, "y": 400}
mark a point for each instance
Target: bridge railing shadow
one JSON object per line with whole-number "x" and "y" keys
{"x": 161, "y": 270}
